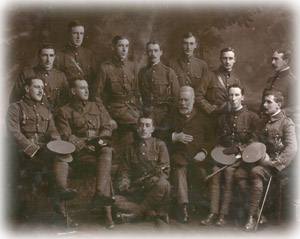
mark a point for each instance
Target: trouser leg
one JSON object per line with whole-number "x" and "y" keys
{"x": 181, "y": 184}
{"x": 229, "y": 172}
{"x": 215, "y": 192}
{"x": 103, "y": 175}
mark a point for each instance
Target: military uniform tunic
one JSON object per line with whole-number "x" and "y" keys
{"x": 117, "y": 85}
{"x": 77, "y": 62}
{"x": 145, "y": 170}
{"x": 190, "y": 71}
{"x": 214, "y": 90}
{"x": 55, "y": 83}
{"x": 159, "y": 89}
{"x": 235, "y": 129}
{"x": 80, "y": 121}
{"x": 285, "y": 82}
{"x": 279, "y": 136}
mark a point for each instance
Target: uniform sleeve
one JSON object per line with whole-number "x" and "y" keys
{"x": 65, "y": 130}
{"x": 164, "y": 159}
{"x": 105, "y": 119}
{"x": 200, "y": 94}
{"x": 100, "y": 82}
{"x": 18, "y": 88}
{"x": 52, "y": 131}
{"x": 290, "y": 146}
{"x": 66, "y": 95}
{"x": 13, "y": 124}
{"x": 143, "y": 87}
{"x": 174, "y": 84}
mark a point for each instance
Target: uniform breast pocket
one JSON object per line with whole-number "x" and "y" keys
{"x": 93, "y": 121}
{"x": 79, "y": 122}
{"x": 161, "y": 89}
{"x": 43, "y": 123}
{"x": 28, "y": 124}
{"x": 116, "y": 86}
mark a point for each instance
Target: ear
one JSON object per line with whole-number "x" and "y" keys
{"x": 73, "y": 91}
{"x": 26, "y": 88}
{"x": 161, "y": 52}
{"x": 279, "y": 104}
{"x": 243, "y": 97}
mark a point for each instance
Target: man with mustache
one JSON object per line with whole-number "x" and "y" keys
{"x": 189, "y": 132}
{"x": 159, "y": 86}
{"x": 117, "y": 86}
{"x": 189, "y": 69}
{"x": 87, "y": 125}
{"x": 283, "y": 80}
{"x": 31, "y": 124}
{"x": 236, "y": 129}
{"x": 75, "y": 60}
{"x": 278, "y": 133}
{"x": 56, "y": 88}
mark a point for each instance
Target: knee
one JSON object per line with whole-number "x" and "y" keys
{"x": 106, "y": 153}
{"x": 257, "y": 172}
{"x": 163, "y": 185}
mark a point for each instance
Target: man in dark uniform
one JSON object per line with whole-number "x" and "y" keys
{"x": 213, "y": 97}
{"x": 86, "y": 124}
{"x": 189, "y": 129}
{"x": 75, "y": 60}
{"x": 158, "y": 85}
{"x": 283, "y": 80}
{"x": 118, "y": 87}
{"x": 279, "y": 136}
{"x": 189, "y": 69}
{"x": 56, "y": 86}
{"x": 31, "y": 125}
{"x": 144, "y": 173}
{"x": 236, "y": 129}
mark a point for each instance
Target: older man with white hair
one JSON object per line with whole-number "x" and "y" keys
{"x": 189, "y": 133}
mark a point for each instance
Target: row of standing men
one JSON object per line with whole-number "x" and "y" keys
{"x": 189, "y": 129}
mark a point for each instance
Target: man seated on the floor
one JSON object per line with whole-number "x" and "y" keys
{"x": 143, "y": 183}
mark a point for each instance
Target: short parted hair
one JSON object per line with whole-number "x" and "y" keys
{"x": 287, "y": 54}
{"x": 153, "y": 42}
{"x": 146, "y": 114}
{"x": 74, "y": 23}
{"x": 237, "y": 86}
{"x": 226, "y": 49}
{"x": 46, "y": 45}
{"x": 28, "y": 80}
{"x": 118, "y": 38}
{"x": 188, "y": 35}
{"x": 278, "y": 96}
{"x": 72, "y": 82}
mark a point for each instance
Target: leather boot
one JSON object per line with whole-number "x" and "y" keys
{"x": 250, "y": 225}
{"x": 209, "y": 220}
{"x": 67, "y": 194}
{"x": 185, "y": 213}
{"x": 108, "y": 218}
{"x": 221, "y": 222}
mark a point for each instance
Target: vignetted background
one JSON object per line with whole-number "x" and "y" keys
{"x": 254, "y": 31}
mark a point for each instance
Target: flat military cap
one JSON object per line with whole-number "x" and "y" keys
{"x": 218, "y": 155}
{"x": 62, "y": 150}
{"x": 254, "y": 152}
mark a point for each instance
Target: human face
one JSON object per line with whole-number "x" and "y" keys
{"x": 47, "y": 57}
{"x": 145, "y": 128}
{"x": 77, "y": 35}
{"x": 154, "y": 53}
{"x": 36, "y": 90}
{"x": 270, "y": 105}
{"x": 278, "y": 63}
{"x": 189, "y": 46}
{"x": 228, "y": 60}
{"x": 186, "y": 102}
{"x": 235, "y": 98}
{"x": 81, "y": 90}
{"x": 122, "y": 48}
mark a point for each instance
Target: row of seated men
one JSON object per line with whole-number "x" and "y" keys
{"x": 120, "y": 92}
{"x": 142, "y": 185}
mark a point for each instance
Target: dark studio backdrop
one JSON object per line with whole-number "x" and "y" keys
{"x": 254, "y": 31}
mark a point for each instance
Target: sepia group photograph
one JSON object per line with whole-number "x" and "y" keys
{"x": 149, "y": 119}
